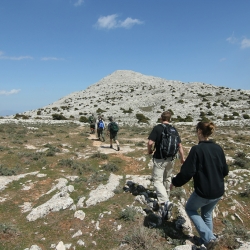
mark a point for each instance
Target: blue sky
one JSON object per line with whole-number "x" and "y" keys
{"x": 51, "y": 48}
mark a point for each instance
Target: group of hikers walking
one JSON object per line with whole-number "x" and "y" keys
{"x": 98, "y": 125}
{"x": 205, "y": 164}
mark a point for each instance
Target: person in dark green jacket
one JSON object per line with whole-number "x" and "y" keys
{"x": 206, "y": 164}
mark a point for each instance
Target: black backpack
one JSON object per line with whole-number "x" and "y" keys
{"x": 169, "y": 144}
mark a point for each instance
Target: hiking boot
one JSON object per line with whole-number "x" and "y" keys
{"x": 118, "y": 148}
{"x": 211, "y": 244}
{"x": 196, "y": 240}
{"x": 156, "y": 206}
{"x": 166, "y": 211}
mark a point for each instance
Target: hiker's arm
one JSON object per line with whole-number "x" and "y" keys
{"x": 150, "y": 144}
{"x": 181, "y": 152}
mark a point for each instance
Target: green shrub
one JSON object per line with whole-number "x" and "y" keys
{"x": 83, "y": 119}
{"x": 4, "y": 171}
{"x": 58, "y": 117}
{"x": 128, "y": 214}
{"x": 52, "y": 150}
{"x": 235, "y": 113}
{"x": 142, "y": 118}
{"x": 129, "y": 111}
{"x": 110, "y": 167}
{"x": 17, "y": 116}
{"x": 99, "y": 155}
{"x": 180, "y": 101}
{"x": 245, "y": 116}
{"x": 99, "y": 111}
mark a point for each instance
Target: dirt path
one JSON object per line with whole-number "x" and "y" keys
{"x": 104, "y": 147}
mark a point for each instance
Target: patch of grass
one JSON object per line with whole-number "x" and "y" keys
{"x": 99, "y": 156}
{"x": 142, "y": 238}
{"x": 178, "y": 192}
{"x": 110, "y": 167}
{"x": 231, "y": 232}
{"x": 140, "y": 144}
{"x": 128, "y": 214}
{"x": 7, "y": 229}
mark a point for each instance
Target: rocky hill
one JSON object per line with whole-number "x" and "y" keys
{"x": 126, "y": 94}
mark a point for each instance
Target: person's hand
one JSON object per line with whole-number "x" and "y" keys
{"x": 150, "y": 152}
{"x": 171, "y": 186}
{"x": 182, "y": 160}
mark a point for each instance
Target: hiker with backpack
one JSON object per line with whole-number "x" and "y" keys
{"x": 206, "y": 164}
{"x": 100, "y": 128}
{"x": 92, "y": 121}
{"x": 113, "y": 129}
{"x": 167, "y": 143}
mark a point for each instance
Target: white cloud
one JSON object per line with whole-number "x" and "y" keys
{"x": 14, "y": 58}
{"x": 107, "y": 22}
{"x": 245, "y": 43}
{"x": 52, "y": 59}
{"x": 79, "y": 3}
{"x": 129, "y": 22}
{"x": 232, "y": 39}
{"x": 111, "y": 22}
{"x": 11, "y": 92}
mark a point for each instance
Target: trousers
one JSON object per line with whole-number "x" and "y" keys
{"x": 203, "y": 222}
{"x": 161, "y": 175}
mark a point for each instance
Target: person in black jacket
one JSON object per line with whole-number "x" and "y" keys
{"x": 206, "y": 164}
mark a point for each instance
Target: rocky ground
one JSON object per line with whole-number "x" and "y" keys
{"x": 47, "y": 198}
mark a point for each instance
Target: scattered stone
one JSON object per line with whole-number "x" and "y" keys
{"x": 56, "y": 203}
{"x": 79, "y": 214}
{"x": 104, "y": 192}
{"x": 77, "y": 234}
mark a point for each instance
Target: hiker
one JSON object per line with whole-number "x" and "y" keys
{"x": 162, "y": 167}
{"x": 92, "y": 122}
{"x": 113, "y": 128}
{"x": 206, "y": 164}
{"x": 100, "y": 128}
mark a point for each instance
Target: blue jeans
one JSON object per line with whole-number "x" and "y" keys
{"x": 204, "y": 222}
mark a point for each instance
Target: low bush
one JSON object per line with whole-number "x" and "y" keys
{"x": 5, "y": 171}
{"x": 99, "y": 155}
{"x": 83, "y": 119}
{"x": 58, "y": 117}
{"x": 128, "y": 214}
{"x": 110, "y": 167}
{"x": 141, "y": 118}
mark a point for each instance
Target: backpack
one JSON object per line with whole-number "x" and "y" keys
{"x": 169, "y": 144}
{"x": 101, "y": 124}
{"x": 114, "y": 127}
{"x": 91, "y": 119}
